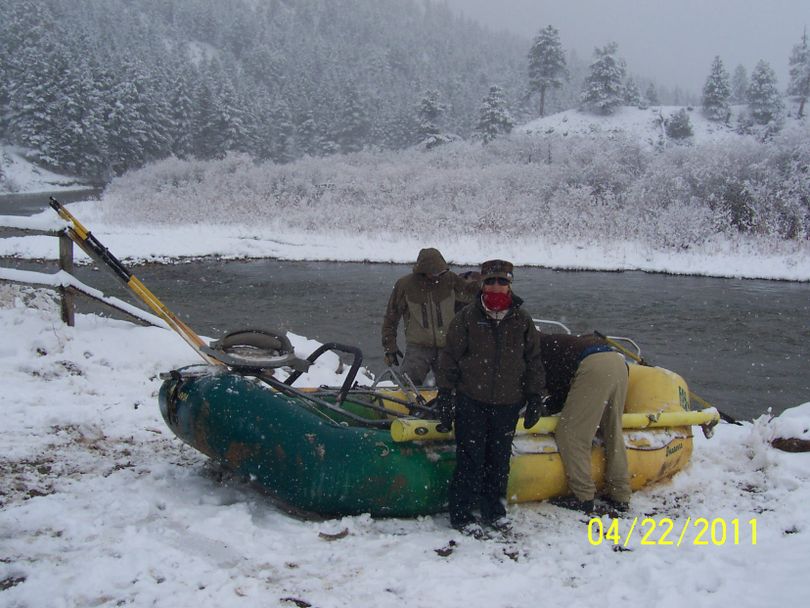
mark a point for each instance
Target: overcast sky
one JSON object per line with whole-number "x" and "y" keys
{"x": 672, "y": 41}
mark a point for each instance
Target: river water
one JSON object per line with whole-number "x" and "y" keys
{"x": 30, "y": 203}
{"x": 741, "y": 344}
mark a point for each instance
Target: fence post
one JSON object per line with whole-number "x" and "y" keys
{"x": 66, "y": 264}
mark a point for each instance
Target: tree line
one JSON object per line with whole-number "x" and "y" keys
{"x": 607, "y": 85}
{"x": 98, "y": 87}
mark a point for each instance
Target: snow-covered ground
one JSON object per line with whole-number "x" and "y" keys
{"x": 102, "y": 506}
{"x": 136, "y": 243}
{"x": 18, "y": 175}
{"x": 647, "y": 124}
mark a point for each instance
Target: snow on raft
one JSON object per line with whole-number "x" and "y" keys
{"x": 101, "y": 506}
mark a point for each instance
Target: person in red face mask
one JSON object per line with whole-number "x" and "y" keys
{"x": 490, "y": 368}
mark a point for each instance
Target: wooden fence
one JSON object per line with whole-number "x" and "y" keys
{"x": 63, "y": 281}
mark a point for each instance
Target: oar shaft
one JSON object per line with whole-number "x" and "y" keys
{"x": 93, "y": 247}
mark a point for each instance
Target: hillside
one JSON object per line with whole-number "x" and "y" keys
{"x": 646, "y": 126}
{"x": 98, "y": 88}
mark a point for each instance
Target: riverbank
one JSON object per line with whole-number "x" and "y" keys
{"x": 138, "y": 242}
{"x": 93, "y": 481}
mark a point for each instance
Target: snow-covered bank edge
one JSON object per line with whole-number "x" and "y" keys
{"x": 141, "y": 243}
{"x": 93, "y": 482}
{"x": 18, "y": 175}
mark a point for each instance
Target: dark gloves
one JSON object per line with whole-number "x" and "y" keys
{"x": 444, "y": 408}
{"x": 392, "y": 359}
{"x": 536, "y": 408}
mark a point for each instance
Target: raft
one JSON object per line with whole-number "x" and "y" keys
{"x": 333, "y": 452}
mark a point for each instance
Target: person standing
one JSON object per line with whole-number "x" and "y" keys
{"x": 587, "y": 383}
{"x": 427, "y": 300}
{"x": 490, "y": 367}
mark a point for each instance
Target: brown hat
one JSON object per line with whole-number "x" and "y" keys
{"x": 496, "y": 268}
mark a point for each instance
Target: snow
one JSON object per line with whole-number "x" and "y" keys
{"x": 475, "y": 202}
{"x": 155, "y": 243}
{"x": 102, "y": 506}
{"x": 644, "y": 123}
{"x": 19, "y": 175}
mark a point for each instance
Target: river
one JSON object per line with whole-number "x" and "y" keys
{"x": 30, "y": 203}
{"x": 741, "y": 344}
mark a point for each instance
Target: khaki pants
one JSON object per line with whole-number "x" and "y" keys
{"x": 595, "y": 401}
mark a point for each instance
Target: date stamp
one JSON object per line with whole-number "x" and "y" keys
{"x": 665, "y": 531}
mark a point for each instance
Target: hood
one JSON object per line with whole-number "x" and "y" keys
{"x": 430, "y": 261}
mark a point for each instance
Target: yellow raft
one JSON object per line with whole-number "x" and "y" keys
{"x": 657, "y": 432}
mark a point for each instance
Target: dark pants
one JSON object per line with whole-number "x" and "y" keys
{"x": 484, "y": 435}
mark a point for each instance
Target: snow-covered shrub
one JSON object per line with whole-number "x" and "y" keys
{"x": 678, "y": 126}
{"x": 562, "y": 189}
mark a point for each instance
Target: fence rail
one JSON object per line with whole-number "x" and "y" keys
{"x": 63, "y": 281}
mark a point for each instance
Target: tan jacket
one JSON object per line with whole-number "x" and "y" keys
{"x": 426, "y": 304}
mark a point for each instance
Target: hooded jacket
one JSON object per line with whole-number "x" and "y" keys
{"x": 497, "y": 362}
{"x": 426, "y": 304}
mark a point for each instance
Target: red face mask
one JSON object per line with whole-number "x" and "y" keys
{"x": 497, "y": 301}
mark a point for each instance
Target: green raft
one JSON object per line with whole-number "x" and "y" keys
{"x": 311, "y": 458}
{"x": 333, "y": 451}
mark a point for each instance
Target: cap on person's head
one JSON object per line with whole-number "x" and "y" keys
{"x": 497, "y": 268}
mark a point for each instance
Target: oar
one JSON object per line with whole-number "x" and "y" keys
{"x": 98, "y": 252}
{"x": 702, "y": 403}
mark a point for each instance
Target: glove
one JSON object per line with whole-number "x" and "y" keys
{"x": 444, "y": 410}
{"x": 536, "y": 407}
{"x": 392, "y": 359}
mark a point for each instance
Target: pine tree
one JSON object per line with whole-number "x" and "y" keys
{"x": 716, "y": 92}
{"x": 181, "y": 108}
{"x": 632, "y": 96}
{"x": 764, "y": 99}
{"x": 651, "y": 95}
{"x": 494, "y": 118}
{"x": 547, "y": 67}
{"x": 678, "y": 126}
{"x": 799, "y": 85}
{"x": 307, "y": 135}
{"x": 739, "y": 85}
{"x": 282, "y": 132}
{"x": 604, "y": 86}
{"x": 428, "y": 114}
{"x": 352, "y": 121}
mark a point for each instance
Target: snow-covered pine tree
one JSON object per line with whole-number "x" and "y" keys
{"x": 282, "y": 132}
{"x": 678, "y": 126}
{"x": 632, "y": 96}
{"x": 428, "y": 113}
{"x": 764, "y": 99}
{"x": 799, "y": 85}
{"x": 352, "y": 121}
{"x": 651, "y": 95}
{"x": 739, "y": 85}
{"x": 604, "y": 86}
{"x": 547, "y": 67}
{"x": 494, "y": 118}
{"x": 307, "y": 135}
{"x": 181, "y": 111}
{"x": 717, "y": 92}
